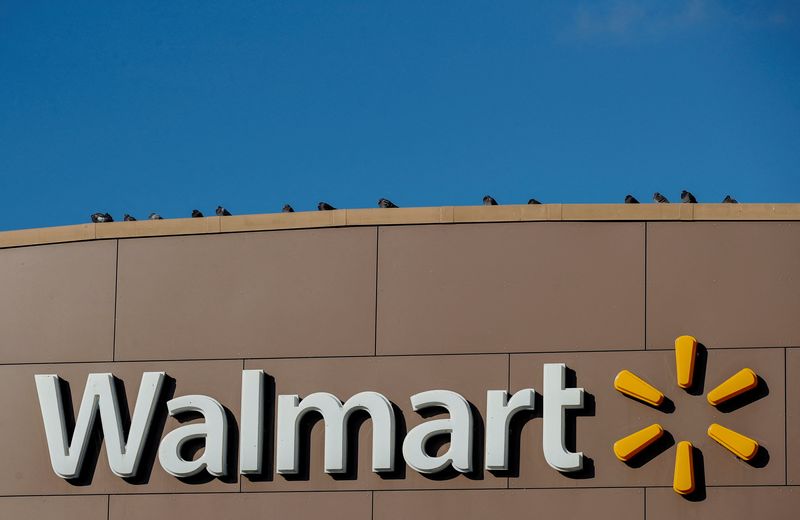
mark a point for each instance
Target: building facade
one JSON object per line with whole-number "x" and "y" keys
{"x": 399, "y": 302}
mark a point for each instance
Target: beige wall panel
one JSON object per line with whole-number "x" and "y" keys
{"x": 268, "y": 294}
{"x": 57, "y": 302}
{"x": 619, "y": 504}
{"x": 616, "y": 416}
{"x": 735, "y": 284}
{"x": 54, "y": 508}
{"x": 24, "y": 447}
{"x": 728, "y": 503}
{"x": 268, "y": 506}
{"x": 793, "y": 415}
{"x": 538, "y": 286}
{"x": 398, "y": 378}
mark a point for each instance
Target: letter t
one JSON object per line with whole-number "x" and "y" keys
{"x": 556, "y": 400}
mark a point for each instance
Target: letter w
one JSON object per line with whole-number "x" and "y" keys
{"x": 123, "y": 458}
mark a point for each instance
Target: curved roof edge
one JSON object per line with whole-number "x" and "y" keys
{"x": 400, "y": 216}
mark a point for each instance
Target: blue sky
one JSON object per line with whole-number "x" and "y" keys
{"x": 168, "y": 106}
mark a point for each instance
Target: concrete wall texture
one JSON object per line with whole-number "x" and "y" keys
{"x": 400, "y": 309}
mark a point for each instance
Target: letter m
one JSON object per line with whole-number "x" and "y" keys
{"x": 67, "y": 457}
{"x": 335, "y": 415}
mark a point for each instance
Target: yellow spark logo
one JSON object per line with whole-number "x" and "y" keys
{"x": 685, "y": 354}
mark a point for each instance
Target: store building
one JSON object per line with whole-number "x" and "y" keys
{"x": 449, "y": 310}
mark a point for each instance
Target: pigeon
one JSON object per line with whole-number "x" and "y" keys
{"x": 196, "y": 213}
{"x": 489, "y": 201}
{"x": 729, "y": 200}
{"x": 688, "y": 198}
{"x": 287, "y": 209}
{"x": 630, "y": 199}
{"x": 154, "y": 216}
{"x": 533, "y": 201}
{"x": 128, "y": 218}
{"x": 386, "y": 203}
{"x": 101, "y": 217}
{"x": 222, "y": 212}
{"x": 324, "y": 206}
{"x": 657, "y": 197}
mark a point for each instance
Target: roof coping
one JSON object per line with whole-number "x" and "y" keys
{"x": 402, "y": 216}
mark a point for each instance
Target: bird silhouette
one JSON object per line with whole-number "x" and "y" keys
{"x": 222, "y": 212}
{"x": 196, "y": 213}
{"x": 97, "y": 218}
{"x": 729, "y": 200}
{"x": 324, "y": 206}
{"x": 533, "y": 201}
{"x": 386, "y": 203}
{"x": 630, "y": 199}
{"x": 657, "y": 197}
{"x": 128, "y": 218}
{"x": 688, "y": 198}
{"x": 154, "y": 216}
{"x": 287, "y": 209}
{"x": 489, "y": 201}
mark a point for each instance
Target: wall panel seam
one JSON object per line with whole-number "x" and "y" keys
{"x": 390, "y": 490}
{"x": 646, "y": 225}
{"x": 116, "y": 298}
{"x": 377, "y": 257}
{"x": 240, "y": 477}
{"x": 360, "y": 356}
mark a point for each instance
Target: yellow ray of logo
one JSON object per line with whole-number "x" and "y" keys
{"x": 739, "y": 383}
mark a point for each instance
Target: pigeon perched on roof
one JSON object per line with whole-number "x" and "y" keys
{"x": 386, "y": 203}
{"x": 222, "y": 212}
{"x": 154, "y": 216}
{"x": 630, "y": 199}
{"x": 287, "y": 209}
{"x": 128, "y": 218}
{"x": 729, "y": 200}
{"x": 688, "y": 198}
{"x": 657, "y": 197}
{"x": 489, "y": 201}
{"x": 101, "y": 217}
{"x": 196, "y": 213}
{"x": 324, "y": 206}
{"x": 533, "y": 201}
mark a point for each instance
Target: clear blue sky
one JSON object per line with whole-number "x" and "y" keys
{"x": 168, "y": 106}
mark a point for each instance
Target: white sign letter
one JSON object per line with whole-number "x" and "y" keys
{"x": 556, "y": 400}
{"x": 251, "y": 435}
{"x": 499, "y": 411}
{"x": 214, "y": 431}
{"x": 335, "y": 415}
{"x": 458, "y": 426}
{"x": 123, "y": 458}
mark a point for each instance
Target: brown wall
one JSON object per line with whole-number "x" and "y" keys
{"x": 400, "y": 309}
